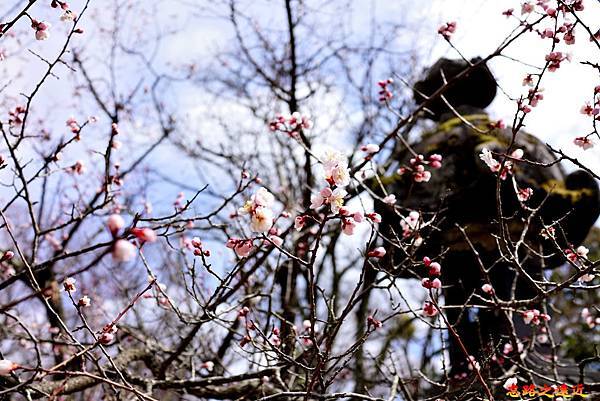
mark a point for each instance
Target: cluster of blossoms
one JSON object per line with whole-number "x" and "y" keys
{"x": 429, "y": 309}
{"x": 305, "y": 336}
{"x": 585, "y": 142}
{"x": 197, "y": 245}
{"x": 508, "y": 348}
{"x": 73, "y": 125}
{"x": 375, "y": 323}
{"x": 123, "y": 250}
{"x": 69, "y": 285}
{"x": 567, "y": 29}
{"x": 15, "y": 117}
{"x": 534, "y": 96}
{"x": 494, "y": 165}
{"x": 523, "y": 194}
{"x": 576, "y": 255}
{"x": 410, "y": 227}
{"x": 528, "y": 7}
{"x": 447, "y": 29}
{"x": 337, "y": 175}
{"x": 417, "y": 167}
{"x": 385, "y": 93}
{"x": 242, "y": 247}
{"x": 41, "y": 29}
{"x": 554, "y": 59}
{"x": 534, "y": 316}
{"x": 290, "y": 124}
{"x": 77, "y": 168}
{"x": 107, "y": 335}
{"x": 434, "y": 269}
{"x": 258, "y": 207}
{"x": 274, "y": 337}
{"x": 589, "y": 318}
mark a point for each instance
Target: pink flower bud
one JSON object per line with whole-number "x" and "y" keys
{"x": 434, "y": 269}
{"x": 487, "y": 288}
{"x": 69, "y": 284}
{"x": 374, "y": 217}
{"x": 196, "y": 243}
{"x": 429, "y": 309}
{"x": 115, "y": 223}
{"x": 378, "y": 252}
{"x": 106, "y": 338}
{"x": 84, "y": 301}
{"x": 8, "y": 255}
{"x": 144, "y": 234}
{"x": 123, "y": 251}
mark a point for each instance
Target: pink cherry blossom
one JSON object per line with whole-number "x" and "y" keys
{"x": 374, "y": 217}
{"x": 8, "y": 255}
{"x": 378, "y": 252}
{"x": 69, "y": 284}
{"x": 524, "y": 194}
{"x": 390, "y": 199}
{"x": 115, "y": 223}
{"x": 348, "y": 226}
{"x": 370, "y": 148}
{"x": 447, "y": 30}
{"x": 84, "y": 301}
{"x": 429, "y": 309}
{"x": 144, "y": 234}
{"x": 487, "y": 288}
{"x": 434, "y": 269}
{"x": 583, "y": 142}
{"x": 123, "y": 250}
{"x": 510, "y": 383}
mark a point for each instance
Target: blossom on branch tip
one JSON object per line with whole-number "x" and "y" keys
{"x": 242, "y": 248}
{"x": 390, "y": 199}
{"x": 487, "y": 288}
{"x": 123, "y": 250}
{"x": 447, "y": 29}
{"x": 374, "y": 217}
{"x": 258, "y": 207}
{"x": 429, "y": 309}
{"x": 144, "y": 234}
{"x": 115, "y": 223}
{"x": 378, "y": 252}
{"x": 370, "y": 148}
{"x": 84, "y": 301}
{"x": 8, "y": 255}
{"x": 583, "y": 142}
{"x": 524, "y": 194}
{"x": 69, "y": 284}
{"x": 41, "y": 29}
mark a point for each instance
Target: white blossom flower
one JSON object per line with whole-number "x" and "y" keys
{"x": 261, "y": 220}
{"x": 123, "y": 250}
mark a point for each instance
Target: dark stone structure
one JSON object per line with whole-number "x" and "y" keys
{"x": 464, "y": 193}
